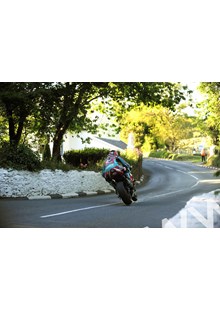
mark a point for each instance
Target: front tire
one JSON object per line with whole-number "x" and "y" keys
{"x": 124, "y": 195}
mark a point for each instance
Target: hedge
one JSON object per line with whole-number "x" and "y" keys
{"x": 21, "y": 157}
{"x": 214, "y": 161}
{"x": 87, "y": 155}
{"x": 95, "y": 157}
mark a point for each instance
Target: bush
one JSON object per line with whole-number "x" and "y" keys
{"x": 95, "y": 158}
{"x": 217, "y": 173}
{"x": 134, "y": 158}
{"x": 46, "y": 153}
{"x": 188, "y": 157}
{"x": 88, "y": 155}
{"x": 214, "y": 161}
{"x": 174, "y": 156}
{"x": 55, "y": 165}
{"x": 159, "y": 154}
{"x": 217, "y": 151}
{"x": 20, "y": 157}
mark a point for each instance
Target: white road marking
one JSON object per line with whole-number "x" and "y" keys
{"x": 180, "y": 171}
{"x": 178, "y": 191}
{"x": 78, "y": 210}
{"x": 195, "y": 184}
{"x": 168, "y": 168}
{"x": 186, "y": 174}
{"x": 191, "y": 175}
{"x": 194, "y": 177}
{"x": 95, "y": 207}
{"x": 166, "y": 194}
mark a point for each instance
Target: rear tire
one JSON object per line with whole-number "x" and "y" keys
{"x": 124, "y": 195}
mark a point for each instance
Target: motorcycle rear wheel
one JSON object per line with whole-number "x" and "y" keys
{"x": 124, "y": 195}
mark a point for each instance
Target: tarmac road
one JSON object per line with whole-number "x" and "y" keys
{"x": 170, "y": 185}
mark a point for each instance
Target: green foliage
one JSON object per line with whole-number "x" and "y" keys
{"x": 217, "y": 151}
{"x": 18, "y": 101}
{"x": 95, "y": 158}
{"x": 3, "y": 129}
{"x": 46, "y": 153}
{"x": 160, "y": 154}
{"x": 131, "y": 155}
{"x": 55, "y": 108}
{"x": 56, "y": 165}
{"x": 155, "y": 127}
{"x": 210, "y": 110}
{"x": 21, "y": 157}
{"x": 217, "y": 174}
{"x": 134, "y": 158}
{"x": 88, "y": 155}
{"x": 188, "y": 157}
{"x": 174, "y": 156}
{"x": 148, "y": 146}
{"x": 165, "y": 94}
{"x": 214, "y": 161}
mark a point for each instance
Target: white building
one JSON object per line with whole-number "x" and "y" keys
{"x": 72, "y": 142}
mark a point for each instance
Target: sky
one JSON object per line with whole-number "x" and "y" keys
{"x": 197, "y": 96}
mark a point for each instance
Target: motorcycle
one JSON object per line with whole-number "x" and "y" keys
{"x": 122, "y": 185}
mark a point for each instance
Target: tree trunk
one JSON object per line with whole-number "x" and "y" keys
{"x": 19, "y": 131}
{"x": 14, "y": 137}
{"x": 57, "y": 141}
{"x": 56, "y": 151}
{"x": 11, "y": 125}
{"x": 70, "y": 110}
{"x": 56, "y": 147}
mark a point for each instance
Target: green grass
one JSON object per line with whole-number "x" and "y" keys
{"x": 180, "y": 157}
{"x": 189, "y": 158}
{"x": 195, "y": 159}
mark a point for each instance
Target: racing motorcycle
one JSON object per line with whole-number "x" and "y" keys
{"x": 122, "y": 185}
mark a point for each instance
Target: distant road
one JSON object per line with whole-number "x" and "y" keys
{"x": 171, "y": 184}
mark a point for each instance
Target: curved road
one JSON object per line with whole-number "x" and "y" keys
{"x": 170, "y": 185}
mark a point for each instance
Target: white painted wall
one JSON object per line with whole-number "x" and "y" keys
{"x": 73, "y": 142}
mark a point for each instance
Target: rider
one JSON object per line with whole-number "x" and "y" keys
{"x": 112, "y": 160}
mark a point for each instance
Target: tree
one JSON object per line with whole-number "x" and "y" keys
{"x": 54, "y": 108}
{"x": 3, "y": 129}
{"x": 17, "y": 102}
{"x": 159, "y": 125}
{"x": 165, "y": 94}
{"x": 65, "y": 107}
{"x": 210, "y": 109}
{"x": 123, "y": 97}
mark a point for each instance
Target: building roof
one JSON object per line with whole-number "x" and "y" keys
{"x": 117, "y": 143}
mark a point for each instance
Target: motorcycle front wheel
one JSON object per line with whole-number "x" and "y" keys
{"x": 123, "y": 194}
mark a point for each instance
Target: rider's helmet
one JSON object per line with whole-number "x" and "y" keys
{"x": 113, "y": 153}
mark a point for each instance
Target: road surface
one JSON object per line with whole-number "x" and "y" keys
{"x": 170, "y": 185}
